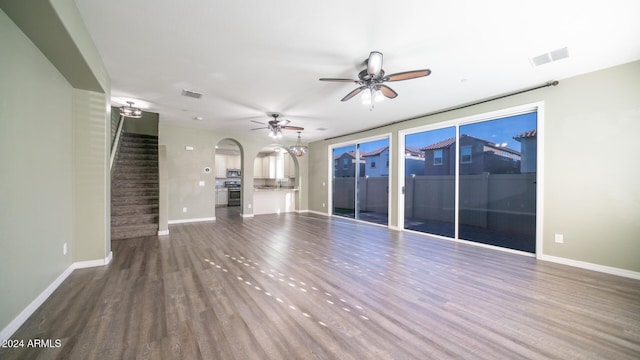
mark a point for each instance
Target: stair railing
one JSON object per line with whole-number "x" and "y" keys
{"x": 116, "y": 142}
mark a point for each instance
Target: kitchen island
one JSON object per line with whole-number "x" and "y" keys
{"x": 274, "y": 200}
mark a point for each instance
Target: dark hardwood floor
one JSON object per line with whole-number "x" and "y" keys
{"x": 309, "y": 287}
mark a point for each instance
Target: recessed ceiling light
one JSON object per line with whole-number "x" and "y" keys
{"x": 199, "y": 118}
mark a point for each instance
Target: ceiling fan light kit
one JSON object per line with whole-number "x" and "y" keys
{"x": 130, "y": 111}
{"x": 371, "y": 80}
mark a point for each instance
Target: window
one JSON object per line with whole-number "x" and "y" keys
{"x": 373, "y": 164}
{"x": 345, "y": 163}
{"x": 465, "y": 154}
{"x": 437, "y": 157}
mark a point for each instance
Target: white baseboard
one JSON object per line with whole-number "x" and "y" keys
{"x": 163, "y": 232}
{"x": 184, "y": 221}
{"x": 591, "y": 266}
{"x": 317, "y": 213}
{"x": 44, "y": 295}
{"x": 93, "y": 263}
{"x": 246, "y": 215}
{"x": 34, "y": 305}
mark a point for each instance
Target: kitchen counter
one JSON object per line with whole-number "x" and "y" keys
{"x": 274, "y": 200}
{"x": 271, "y": 188}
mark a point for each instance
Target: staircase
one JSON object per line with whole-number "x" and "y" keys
{"x": 135, "y": 188}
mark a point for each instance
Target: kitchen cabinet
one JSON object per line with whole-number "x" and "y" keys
{"x": 222, "y": 197}
{"x": 224, "y": 162}
{"x": 289, "y": 166}
{"x": 233, "y": 162}
{"x": 221, "y": 166}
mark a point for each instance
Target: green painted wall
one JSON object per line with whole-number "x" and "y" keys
{"x": 36, "y": 180}
{"x": 54, "y": 138}
{"x": 590, "y": 164}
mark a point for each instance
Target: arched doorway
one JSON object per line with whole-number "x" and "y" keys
{"x": 228, "y": 171}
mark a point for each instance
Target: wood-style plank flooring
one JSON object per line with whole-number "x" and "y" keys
{"x": 310, "y": 287}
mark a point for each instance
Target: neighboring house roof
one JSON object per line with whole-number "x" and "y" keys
{"x": 351, "y": 154}
{"x": 526, "y": 135}
{"x": 448, "y": 142}
{"x": 374, "y": 152}
{"x": 414, "y": 151}
{"x": 441, "y": 144}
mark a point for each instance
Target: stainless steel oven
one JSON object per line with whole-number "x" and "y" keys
{"x": 233, "y": 193}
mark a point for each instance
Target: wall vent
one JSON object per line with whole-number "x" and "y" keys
{"x": 551, "y": 56}
{"x": 191, "y": 94}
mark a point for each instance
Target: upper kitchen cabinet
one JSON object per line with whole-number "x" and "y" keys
{"x": 227, "y": 157}
{"x": 270, "y": 164}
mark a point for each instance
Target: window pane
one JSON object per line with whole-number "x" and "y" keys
{"x": 430, "y": 182}
{"x": 344, "y": 181}
{"x": 497, "y": 189}
{"x": 373, "y": 184}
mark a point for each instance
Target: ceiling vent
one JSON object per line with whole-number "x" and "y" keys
{"x": 551, "y": 56}
{"x": 191, "y": 94}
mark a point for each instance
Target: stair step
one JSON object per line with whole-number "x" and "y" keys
{"x": 133, "y": 192}
{"x": 132, "y": 143}
{"x": 137, "y": 176}
{"x": 131, "y": 231}
{"x": 134, "y": 219}
{"x": 133, "y": 200}
{"x": 135, "y": 183}
{"x": 137, "y": 156}
{"x": 134, "y": 209}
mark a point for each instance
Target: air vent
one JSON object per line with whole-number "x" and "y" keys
{"x": 191, "y": 94}
{"x": 546, "y": 58}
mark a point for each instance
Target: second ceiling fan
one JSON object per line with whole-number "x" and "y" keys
{"x": 372, "y": 78}
{"x": 276, "y": 126}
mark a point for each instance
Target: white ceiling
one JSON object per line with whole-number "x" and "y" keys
{"x": 253, "y": 57}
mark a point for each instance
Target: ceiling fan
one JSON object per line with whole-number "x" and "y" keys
{"x": 276, "y": 126}
{"x": 371, "y": 80}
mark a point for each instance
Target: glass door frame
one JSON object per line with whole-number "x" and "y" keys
{"x": 537, "y": 107}
{"x": 356, "y": 142}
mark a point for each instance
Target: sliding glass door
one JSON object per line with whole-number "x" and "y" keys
{"x": 344, "y": 184}
{"x": 498, "y": 182}
{"x": 490, "y": 166}
{"x": 429, "y": 163}
{"x": 361, "y": 181}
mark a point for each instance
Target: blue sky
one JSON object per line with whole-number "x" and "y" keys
{"x": 499, "y": 131}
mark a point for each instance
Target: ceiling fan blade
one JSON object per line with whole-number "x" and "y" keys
{"x": 353, "y": 93}
{"x": 388, "y": 92}
{"x": 406, "y": 75}
{"x": 293, "y": 128}
{"x": 266, "y": 127}
{"x": 338, "y": 80}
{"x": 283, "y": 122}
{"x": 258, "y": 122}
{"x": 374, "y": 64}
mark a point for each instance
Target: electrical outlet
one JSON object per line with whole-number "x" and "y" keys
{"x": 64, "y": 249}
{"x": 323, "y": 205}
{"x": 559, "y": 238}
{"x": 201, "y": 183}
{"x": 184, "y": 210}
{"x": 249, "y": 206}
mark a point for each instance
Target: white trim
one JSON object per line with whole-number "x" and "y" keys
{"x": 184, "y": 221}
{"x": 116, "y": 141}
{"x": 163, "y": 232}
{"x": 93, "y": 263}
{"x": 15, "y": 324}
{"x": 395, "y": 228}
{"x": 591, "y": 266}
{"x": 246, "y": 216}
{"x": 302, "y": 211}
{"x": 318, "y": 213}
